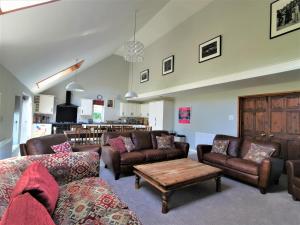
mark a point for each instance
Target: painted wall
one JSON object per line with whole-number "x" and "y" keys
{"x": 244, "y": 26}
{"x": 212, "y": 107}
{"x": 108, "y": 78}
{"x": 9, "y": 88}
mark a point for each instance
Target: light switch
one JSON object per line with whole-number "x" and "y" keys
{"x": 230, "y": 117}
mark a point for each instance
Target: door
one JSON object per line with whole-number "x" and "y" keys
{"x": 16, "y": 121}
{"x": 86, "y": 107}
{"x": 156, "y": 115}
{"x": 274, "y": 118}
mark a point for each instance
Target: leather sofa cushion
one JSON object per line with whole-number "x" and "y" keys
{"x": 174, "y": 153}
{"x": 108, "y": 135}
{"x": 296, "y": 181}
{"x": 157, "y": 133}
{"x": 216, "y": 158}
{"x": 243, "y": 165}
{"x": 132, "y": 157}
{"x": 154, "y": 154}
{"x": 141, "y": 140}
{"x": 90, "y": 148}
{"x": 234, "y": 144}
{"x": 42, "y": 145}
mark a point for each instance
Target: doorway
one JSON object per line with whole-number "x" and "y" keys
{"x": 22, "y": 121}
{"x": 272, "y": 117}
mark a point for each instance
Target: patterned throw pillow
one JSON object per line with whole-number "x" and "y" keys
{"x": 257, "y": 153}
{"x": 118, "y": 144}
{"x": 128, "y": 143}
{"x": 220, "y": 146}
{"x": 62, "y": 148}
{"x": 165, "y": 142}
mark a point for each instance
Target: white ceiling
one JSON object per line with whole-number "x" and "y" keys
{"x": 38, "y": 42}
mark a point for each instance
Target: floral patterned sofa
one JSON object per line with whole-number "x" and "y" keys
{"x": 84, "y": 198}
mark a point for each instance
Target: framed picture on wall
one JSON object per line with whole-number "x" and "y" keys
{"x": 144, "y": 76}
{"x": 210, "y": 49}
{"x": 284, "y": 17}
{"x": 184, "y": 115}
{"x": 110, "y": 103}
{"x": 168, "y": 65}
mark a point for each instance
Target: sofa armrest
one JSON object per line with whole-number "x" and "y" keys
{"x": 183, "y": 146}
{"x": 111, "y": 157}
{"x": 201, "y": 150}
{"x": 68, "y": 167}
{"x": 292, "y": 169}
{"x": 270, "y": 171}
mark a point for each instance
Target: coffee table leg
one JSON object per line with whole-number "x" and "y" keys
{"x": 165, "y": 198}
{"x": 137, "y": 182}
{"x": 218, "y": 184}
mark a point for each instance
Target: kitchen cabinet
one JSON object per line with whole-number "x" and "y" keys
{"x": 44, "y": 104}
{"x": 144, "y": 110}
{"x": 130, "y": 109}
{"x": 161, "y": 115}
{"x": 86, "y": 107}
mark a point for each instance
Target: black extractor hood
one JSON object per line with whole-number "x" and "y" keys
{"x": 67, "y": 112}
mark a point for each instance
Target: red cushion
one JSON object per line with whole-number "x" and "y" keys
{"x": 118, "y": 144}
{"x": 26, "y": 210}
{"x": 40, "y": 184}
{"x": 62, "y": 148}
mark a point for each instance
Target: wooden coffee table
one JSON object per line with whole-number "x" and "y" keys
{"x": 169, "y": 176}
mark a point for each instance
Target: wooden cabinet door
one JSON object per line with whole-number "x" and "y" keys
{"x": 285, "y": 124}
{"x": 254, "y": 118}
{"x": 274, "y": 118}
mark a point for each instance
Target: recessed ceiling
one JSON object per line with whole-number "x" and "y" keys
{"x": 41, "y": 41}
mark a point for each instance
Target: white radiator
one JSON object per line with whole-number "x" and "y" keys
{"x": 204, "y": 138}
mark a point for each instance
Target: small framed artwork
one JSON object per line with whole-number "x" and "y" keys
{"x": 184, "y": 115}
{"x": 144, "y": 76}
{"x": 284, "y": 17}
{"x": 210, "y": 49}
{"x": 110, "y": 103}
{"x": 168, "y": 65}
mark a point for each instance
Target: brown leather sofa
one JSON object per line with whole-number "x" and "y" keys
{"x": 42, "y": 145}
{"x": 233, "y": 164}
{"x": 145, "y": 151}
{"x": 293, "y": 173}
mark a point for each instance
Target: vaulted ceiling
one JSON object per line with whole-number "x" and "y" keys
{"x": 41, "y": 41}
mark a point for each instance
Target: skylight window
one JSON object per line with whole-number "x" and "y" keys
{"x": 7, "y": 6}
{"x": 49, "y": 80}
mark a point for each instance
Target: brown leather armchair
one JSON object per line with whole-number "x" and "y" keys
{"x": 233, "y": 164}
{"x": 42, "y": 145}
{"x": 293, "y": 173}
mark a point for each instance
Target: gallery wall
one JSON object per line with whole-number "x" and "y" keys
{"x": 108, "y": 78}
{"x": 244, "y": 26}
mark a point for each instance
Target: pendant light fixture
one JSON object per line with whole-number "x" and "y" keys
{"x": 134, "y": 50}
{"x": 131, "y": 94}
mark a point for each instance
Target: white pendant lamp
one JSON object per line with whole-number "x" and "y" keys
{"x": 73, "y": 86}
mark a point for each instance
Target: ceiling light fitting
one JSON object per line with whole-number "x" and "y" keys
{"x": 134, "y": 50}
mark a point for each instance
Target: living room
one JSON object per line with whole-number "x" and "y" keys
{"x": 201, "y": 70}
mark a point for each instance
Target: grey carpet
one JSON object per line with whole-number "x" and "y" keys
{"x": 237, "y": 204}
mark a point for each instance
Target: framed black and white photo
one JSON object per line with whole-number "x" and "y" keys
{"x": 168, "y": 65}
{"x": 144, "y": 76}
{"x": 284, "y": 17}
{"x": 210, "y": 49}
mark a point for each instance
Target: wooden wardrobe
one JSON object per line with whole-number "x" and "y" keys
{"x": 272, "y": 117}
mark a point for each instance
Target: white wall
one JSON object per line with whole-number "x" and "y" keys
{"x": 9, "y": 88}
{"x": 212, "y": 106}
{"x": 108, "y": 78}
{"x": 244, "y": 26}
